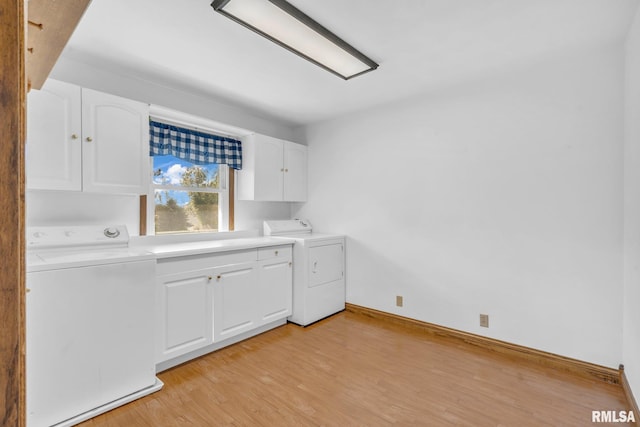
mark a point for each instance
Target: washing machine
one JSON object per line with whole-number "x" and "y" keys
{"x": 90, "y": 323}
{"x": 318, "y": 270}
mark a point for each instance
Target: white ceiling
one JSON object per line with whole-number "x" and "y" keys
{"x": 421, "y": 46}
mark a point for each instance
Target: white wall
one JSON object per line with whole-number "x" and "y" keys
{"x": 46, "y": 208}
{"x": 249, "y": 215}
{"x": 502, "y": 196}
{"x": 138, "y": 89}
{"x": 631, "y": 328}
{"x": 64, "y": 208}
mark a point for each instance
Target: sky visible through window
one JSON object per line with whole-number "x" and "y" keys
{"x": 169, "y": 170}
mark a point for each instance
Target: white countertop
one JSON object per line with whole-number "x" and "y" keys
{"x": 152, "y": 247}
{"x": 57, "y": 259}
{"x": 169, "y": 250}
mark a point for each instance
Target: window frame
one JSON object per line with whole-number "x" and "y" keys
{"x": 227, "y": 198}
{"x": 226, "y": 202}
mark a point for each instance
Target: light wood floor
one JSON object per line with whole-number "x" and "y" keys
{"x": 351, "y": 370}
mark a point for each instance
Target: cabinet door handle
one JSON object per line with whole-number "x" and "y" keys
{"x": 89, "y": 139}
{"x": 276, "y": 253}
{"x": 74, "y": 136}
{"x": 290, "y": 264}
{"x": 210, "y": 278}
{"x": 282, "y": 170}
{"x": 315, "y": 267}
{"x": 218, "y": 277}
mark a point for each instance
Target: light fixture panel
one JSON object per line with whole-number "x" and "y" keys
{"x": 289, "y": 27}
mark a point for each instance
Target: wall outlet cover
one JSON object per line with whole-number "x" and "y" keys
{"x": 484, "y": 320}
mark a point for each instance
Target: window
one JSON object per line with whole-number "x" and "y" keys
{"x": 192, "y": 181}
{"x": 189, "y": 198}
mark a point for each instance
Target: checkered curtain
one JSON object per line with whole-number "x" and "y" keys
{"x": 193, "y": 146}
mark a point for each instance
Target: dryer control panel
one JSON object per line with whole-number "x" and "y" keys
{"x": 287, "y": 227}
{"x": 69, "y": 237}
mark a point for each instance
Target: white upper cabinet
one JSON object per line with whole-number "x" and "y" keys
{"x": 80, "y": 139}
{"x": 266, "y": 154}
{"x": 53, "y": 149}
{"x": 272, "y": 170}
{"x": 295, "y": 172}
{"x": 115, "y": 150}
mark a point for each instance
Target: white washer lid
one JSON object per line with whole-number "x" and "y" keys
{"x": 60, "y": 259}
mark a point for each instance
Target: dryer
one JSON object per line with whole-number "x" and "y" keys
{"x": 318, "y": 270}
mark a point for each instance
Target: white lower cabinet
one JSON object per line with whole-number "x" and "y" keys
{"x": 274, "y": 276}
{"x": 207, "y": 299}
{"x": 234, "y": 300}
{"x": 185, "y": 311}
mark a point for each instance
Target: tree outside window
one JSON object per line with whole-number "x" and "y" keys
{"x": 187, "y": 197}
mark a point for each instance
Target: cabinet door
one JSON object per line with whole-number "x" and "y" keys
{"x": 115, "y": 144}
{"x": 269, "y": 169}
{"x": 295, "y": 172}
{"x": 275, "y": 289}
{"x": 234, "y": 300}
{"x": 53, "y": 149}
{"x": 326, "y": 264}
{"x": 184, "y": 313}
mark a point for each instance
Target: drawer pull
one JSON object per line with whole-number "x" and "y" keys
{"x": 218, "y": 277}
{"x": 210, "y": 278}
{"x": 290, "y": 264}
{"x": 276, "y": 253}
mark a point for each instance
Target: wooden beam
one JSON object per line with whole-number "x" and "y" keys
{"x": 51, "y": 23}
{"x": 12, "y": 213}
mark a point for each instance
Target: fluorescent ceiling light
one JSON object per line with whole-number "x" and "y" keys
{"x": 287, "y": 26}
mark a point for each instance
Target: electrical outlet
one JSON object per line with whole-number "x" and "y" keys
{"x": 484, "y": 320}
{"x": 399, "y": 300}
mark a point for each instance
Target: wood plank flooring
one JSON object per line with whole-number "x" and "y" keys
{"x": 353, "y": 370}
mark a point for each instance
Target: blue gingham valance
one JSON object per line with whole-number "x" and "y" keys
{"x": 197, "y": 147}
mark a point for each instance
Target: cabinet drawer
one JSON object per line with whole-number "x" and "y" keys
{"x": 283, "y": 252}
{"x": 197, "y": 262}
